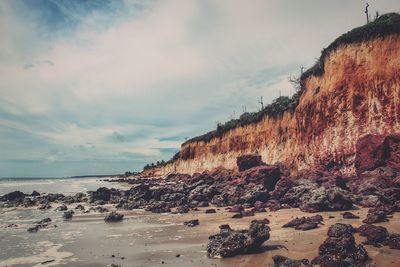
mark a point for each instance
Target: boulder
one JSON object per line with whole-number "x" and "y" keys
{"x": 267, "y": 176}
{"x": 349, "y": 215}
{"x": 114, "y": 217}
{"x": 68, "y": 214}
{"x": 305, "y": 223}
{"x": 12, "y": 196}
{"x": 375, "y": 235}
{"x": 246, "y": 162}
{"x": 192, "y": 223}
{"x": 229, "y": 243}
{"x": 282, "y": 261}
{"x": 340, "y": 248}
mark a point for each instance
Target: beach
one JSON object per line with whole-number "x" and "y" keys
{"x": 149, "y": 239}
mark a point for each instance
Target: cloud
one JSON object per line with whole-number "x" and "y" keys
{"x": 103, "y": 85}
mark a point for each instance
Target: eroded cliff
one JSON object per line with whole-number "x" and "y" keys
{"x": 358, "y": 93}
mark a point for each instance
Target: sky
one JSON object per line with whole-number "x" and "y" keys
{"x": 102, "y": 87}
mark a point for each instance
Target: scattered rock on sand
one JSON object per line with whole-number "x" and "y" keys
{"x": 68, "y": 214}
{"x": 349, "y": 215}
{"x": 229, "y": 243}
{"x": 114, "y": 217}
{"x": 63, "y": 207}
{"x": 192, "y": 223}
{"x": 211, "y": 211}
{"x": 305, "y": 223}
{"x": 282, "y": 261}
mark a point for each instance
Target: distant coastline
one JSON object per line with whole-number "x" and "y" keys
{"x": 67, "y": 177}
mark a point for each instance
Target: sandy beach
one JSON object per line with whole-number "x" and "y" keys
{"x": 148, "y": 239}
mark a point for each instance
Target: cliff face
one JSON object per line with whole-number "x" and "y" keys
{"x": 358, "y": 93}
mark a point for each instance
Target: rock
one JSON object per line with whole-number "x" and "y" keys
{"x": 393, "y": 241}
{"x": 63, "y": 207}
{"x": 45, "y": 206}
{"x": 80, "y": 207}
{"x": 349, "y": 215}
{"x": 373, "y": 151}
{"x": 237, "y": 208}
{"x": 211, "y": 211}
{"x": 68, "y": 214}
{"x": 340, "y": 249}
{"x": 159, "y": 207}
{"x": 305, "y": 223}
{"x": 237, "y": 216}
{"x": 376, "y": 235}
{"x": 341, "y": 229}
{"x": 113, "y": 265}
{"x": 267, "y": 176}
{"x": 229, "y": 243}
{"x": 12, "y": 196}
{"x": 102, "y": 194}
{"x": 182, "y": 209}
{"x": 326, "y": 199}
{"x": 35, "y": 193}
{"x": 192, "y": 223}
{"x": 376, "y": 215}
{"x": 113, "y": 217}
{"x": 306, "y": 226}
{"x": 246, "y": 162}
{"x": 33, "y": 229}
{"x": 282, "y": 261}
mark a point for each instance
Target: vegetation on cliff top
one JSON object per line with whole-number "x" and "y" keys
{"x": 382, "y": 26}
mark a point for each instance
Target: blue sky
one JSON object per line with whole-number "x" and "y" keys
{"x": 91, "y": 87}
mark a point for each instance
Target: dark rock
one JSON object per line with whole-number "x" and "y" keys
{"x": 376, "y": 215}
{"x": 341, "y": 229}
{"x": 305, "y": 223}
{"x": 192, "y": 223}
{"x": 211, "y": 211}
{"x": 237, "y": 216}
{"x": 326, "y": 199}
{"x": 114, "y": 217}
{"x": 80, "y": 207}
{"x": 375, "y": 234}
{"x": 33, "y": 229}
{"x": 182, "y": 209}
{"x": 12, "y": 196}
{"x": 63, "y": 207}
{"x": 229, "y": 243}
{"x": 45, "y": 206}
{"x": 246, "y": 162}
{"x": 35, "y": 193}
{"x": 267, "y": 176}
{"x": 68, "y": 214}
{"x": 237, "y": 208}
{"x": 306, "y": 226}
{"x": 349, "y": 215}
{"x": 340, "y": 249}
{"x": 282, "y": 261}
{"x": 393, "y": 241}
{"x": 159, "y": 207}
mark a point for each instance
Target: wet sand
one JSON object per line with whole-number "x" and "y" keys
{"x": 147, "y": 239}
